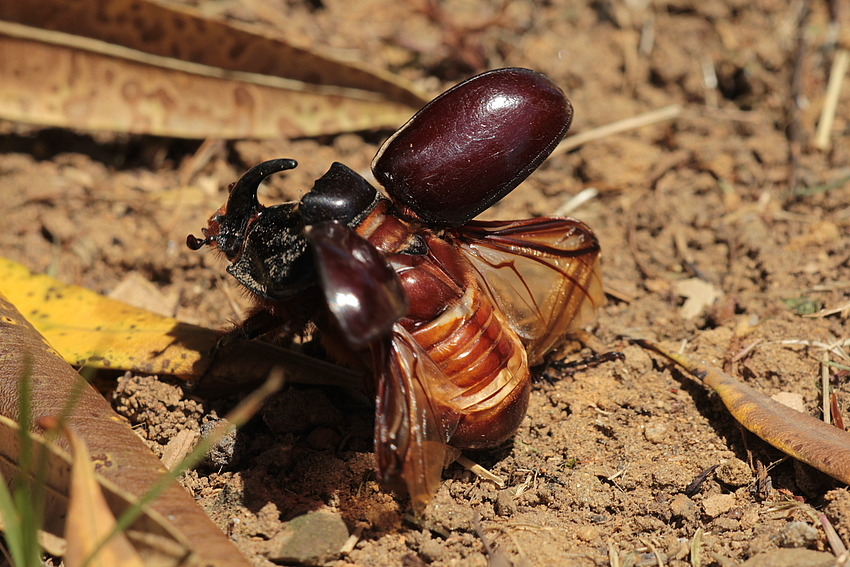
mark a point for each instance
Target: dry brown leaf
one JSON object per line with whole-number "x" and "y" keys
{"x": 800, "y": 435}
{"x": 119, "y": 454}
{"x": 155, "y": 68}
{"x": 153, "y": 538}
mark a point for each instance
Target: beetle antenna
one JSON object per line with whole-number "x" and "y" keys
{"x": 196, "y": 243}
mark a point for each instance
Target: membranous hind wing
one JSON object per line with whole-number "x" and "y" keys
{"x": 543, "y": 273}
{"x": 412, "y": 430}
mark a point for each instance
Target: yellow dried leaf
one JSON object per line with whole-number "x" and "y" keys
{"x": 87, "y": 328}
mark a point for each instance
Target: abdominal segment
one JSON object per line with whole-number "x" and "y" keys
{"x": 486, "y": 377}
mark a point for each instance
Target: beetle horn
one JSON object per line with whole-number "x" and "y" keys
{"x": 242, "y": 204}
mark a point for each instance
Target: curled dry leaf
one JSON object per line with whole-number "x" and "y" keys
{"x": 118, "y": 453}
{"x": 154, "y": 539}
{"x": 90, "y": 520}
{"x": 154, "y": 68}
{"x": 800, "y": 435}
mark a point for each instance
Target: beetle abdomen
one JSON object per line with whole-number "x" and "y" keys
{"x": 486, "y": 369}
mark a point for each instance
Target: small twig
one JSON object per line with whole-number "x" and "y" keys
{"x": 824, "y": 381}
{"x": 837, "y": 419}
{"x": 202, "y": 156}
{"x": 709, "y": 82}
{"x": 834, "y": 348}
{"x": 833, "y": 91}
{"x": 833, "y": 311}
{"x": 833, "y": 286}
{"x": 620, "y": 472}
{"x": 352, "y": 540}
{"x": 647, "y": 34}
{"x": 794, "y": 127}
{"x": 744, "y": 351}
{"x": 645, "y": 119}
{"x": 654, "y": 550}
{"x": 838, "y": 547}
{"x": 576, "y": 201}
{"x": 480, "y": 471}
{"x": 615, "y": 291}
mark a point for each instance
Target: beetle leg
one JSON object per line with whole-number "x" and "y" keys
{"x": 256, "y": 325}
{"x": 568, "y": 368}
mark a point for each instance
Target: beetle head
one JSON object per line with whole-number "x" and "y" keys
{"x": 227, "y": 229}
{"x": 265, "y": 245}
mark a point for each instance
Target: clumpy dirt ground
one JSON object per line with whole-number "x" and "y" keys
{"x": 600, "y": 466}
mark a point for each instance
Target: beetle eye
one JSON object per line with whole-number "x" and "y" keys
{"x": 341, "y": 195}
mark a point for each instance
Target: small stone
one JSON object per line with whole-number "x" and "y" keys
{"x": 791, "y": 558}
{"x": 655, "y": 432}
{"x": 588, "y": 533}
{"x": 683, "y": 507}
{"x": 311, "y": 539}
{"x": 797, "y": 534}
{"x": 227, "y": 451}
{"x": 734, "y": 472}
{"x": 505, "y": 503}
{"x": 718, "y": 504}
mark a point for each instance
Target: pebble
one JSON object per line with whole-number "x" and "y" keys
{"x": 311, "y": 539}
{"x": 734, "y": 472}
{"x": 797, "y": 534}
{"x": 718, "y": 504}
{"x": 655, "y": 432}
{"x": 588, "y": 533}
{"x": 683, "y": 507}
{"x": 505, "y": 503}
{"x": 225, "y": 453}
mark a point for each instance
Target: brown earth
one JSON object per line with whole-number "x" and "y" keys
{"x": 598, "y": 469}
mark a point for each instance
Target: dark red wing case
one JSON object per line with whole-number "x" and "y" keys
{"x": 473, "y": 144}
{"x": 362, "y": 291}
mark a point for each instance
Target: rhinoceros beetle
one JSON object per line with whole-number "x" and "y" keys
{"x": 447, "y": 312}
